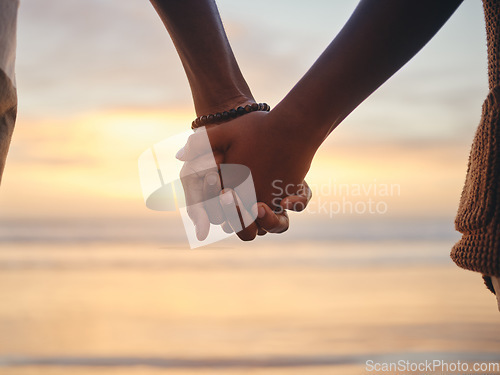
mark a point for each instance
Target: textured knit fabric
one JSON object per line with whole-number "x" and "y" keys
{"x": 478, "y": 217}
{"x": 492, "y": 18}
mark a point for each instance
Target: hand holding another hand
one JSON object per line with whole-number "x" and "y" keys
{"x": 277, "y": 162}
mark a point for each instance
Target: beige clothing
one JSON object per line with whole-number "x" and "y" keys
{"x": 8, "y": 98}
{"x": 8, "y": 16}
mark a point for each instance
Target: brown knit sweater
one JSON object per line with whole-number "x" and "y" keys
{"x": 478, "y": 217}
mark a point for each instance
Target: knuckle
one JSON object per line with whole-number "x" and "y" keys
{"x": 247, "y": 235}
{"x": 299, "y": 206}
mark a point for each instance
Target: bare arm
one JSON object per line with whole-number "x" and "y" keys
{"x": 379, "y": 38}
{"x": 217, "y": 85}
{"x": 201, "y": 42}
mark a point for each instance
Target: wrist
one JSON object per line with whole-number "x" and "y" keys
{"x": 229, "y": 114}
{"x": 219, "y": 102}
{"x": 216, "y": 92}
{"x": 296, "y": 129}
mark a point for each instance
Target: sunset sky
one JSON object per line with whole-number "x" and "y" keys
{"x": 99, "y": 82}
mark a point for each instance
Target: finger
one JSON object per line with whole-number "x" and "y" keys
{"x": 219, "y": 137}
{"x": 299, "y": 201}
{"x": 250, "y": 226}
{"x": 261, "y": 232}
{"x": 211, "y": 191}
{"x": 226, "y": 227}
{"x": 193, "y": 192}
{"x": 200, "y": 220}
{"x": 236, "y": 213}
{"x": 192, "y": 176}
{"x": 203, "y": 141}
{"x": 255, "y": 211}
{"x": 193, "y": 181}
{"x": 200, "y": 166}
{"x": 197, "y": 144}
{"x": 294, "y": 203}
{"x": 230, "y": 211}
{"x": 271, "y": 222}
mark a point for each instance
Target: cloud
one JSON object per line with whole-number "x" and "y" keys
{"x": 99, "y": 81}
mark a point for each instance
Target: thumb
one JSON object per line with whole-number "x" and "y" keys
{"x": 219, "y": 137}
{"x": 202, "y": 142}
{"x": 197, "y": 144}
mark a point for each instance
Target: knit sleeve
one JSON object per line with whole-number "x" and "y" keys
{"x": 492, "y": 19}
{"x": 478, "y": 217}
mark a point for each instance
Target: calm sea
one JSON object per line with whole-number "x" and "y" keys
{"x": 120, "y": 296}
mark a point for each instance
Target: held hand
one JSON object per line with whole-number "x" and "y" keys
{"x": 266, "y": 220}
{"x": 278, "y": 164}
{"x": 202, "y": 187}
{"x": 278, "y": 161}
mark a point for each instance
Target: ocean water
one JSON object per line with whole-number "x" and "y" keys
{"x": 168, "y": 229}
{"x": 125, "y": 297}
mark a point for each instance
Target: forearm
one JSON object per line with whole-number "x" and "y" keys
{"x": 379, "y": 38}
{"x": 199, "y": 37}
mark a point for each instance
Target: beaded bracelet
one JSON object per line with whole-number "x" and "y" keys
{"x": 229, "y": 115}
